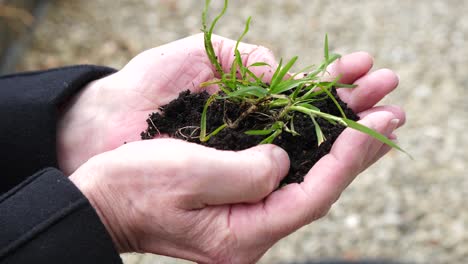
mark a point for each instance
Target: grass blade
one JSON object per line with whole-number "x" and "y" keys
{"x": 207, "y": 35}
{"x": 248, "y": 90}
{"x": 309, "y": 106}
{"x": 374, "y": 134}
{"x": 246, "y": 29}
{"x": 277, "y": 71}
{"x": 215, "y": 132}
{"x": 318, "y": 132}
{"x": 260, "y": 63}
{"x": 288, "y": 85}
{"x": 284, "y": 70}
{"x": 210, "y": 100}
{"x": 325, "y": 48}
{"x": 272, "y": 137}
{"x": 263, "y": 132}
{"x": 255, "y": 77}
{"x": 327, "y": 91}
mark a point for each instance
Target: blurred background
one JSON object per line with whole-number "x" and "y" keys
{"x": 400, "y": 209}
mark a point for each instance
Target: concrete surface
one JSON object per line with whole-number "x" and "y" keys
{"x": 407, "y": 210}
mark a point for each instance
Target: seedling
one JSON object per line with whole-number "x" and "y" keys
{"x": 298, "y": 112}
{"x": 281, "y": 100}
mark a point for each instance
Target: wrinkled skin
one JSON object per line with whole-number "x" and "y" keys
{"x": 170, "y": 197}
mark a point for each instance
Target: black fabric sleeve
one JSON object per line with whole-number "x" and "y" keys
{"x": 28, "y": 116}
{"x": 46, "y": 219}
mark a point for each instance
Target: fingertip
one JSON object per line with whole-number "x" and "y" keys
{"x": 351, "y": 66}
{"x": 280, "y": 157}
{"x": 365, "y": 57}
{"x": 378, "y": 119}
{"x": 390, "y": 76}
{"x": 396, "y": 110}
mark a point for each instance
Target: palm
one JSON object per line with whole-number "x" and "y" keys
{"x": 157, "y": 76}
{"x": 126, "y": 98}
{"x": 151, "y": 80}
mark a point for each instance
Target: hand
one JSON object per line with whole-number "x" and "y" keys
{"x": 181, "y": 199}
{"x": 113, "y": 110}
{"x": 175, "y": 198}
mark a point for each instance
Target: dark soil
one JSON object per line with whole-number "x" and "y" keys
{"x": 181, "y": 119}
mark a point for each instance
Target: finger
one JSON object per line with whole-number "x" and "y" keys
{"x": 380, "y": 153}
{"x": 397, "y": 111}
{"x": 370, "y": 89}
{"x": 223, "y": 177}
{"x": 350, "y": 67}
{"x": 250, "y": 54}
{"x": 323, "y": 184}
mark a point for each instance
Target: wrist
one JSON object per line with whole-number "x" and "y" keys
{"x": 85, "y": 179}
{"x": 74, "y": 129}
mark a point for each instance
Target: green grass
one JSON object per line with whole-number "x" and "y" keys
{"x": 282, "y": 98}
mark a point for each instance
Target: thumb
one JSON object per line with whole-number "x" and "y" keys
{"x": 225, "y": 50}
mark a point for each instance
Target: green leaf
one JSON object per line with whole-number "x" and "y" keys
{"x": 333, "y": 58}
{"x": 210, "y": 100}
{"x": 255, "y": 77}
{"x": 277, "y": 125}
{"x": 248, "y": 90}
{"x": 257, "y": 64}
{"x": 298, "y": 90}
{"x": 292, "y": 130}
{"x": 279, "y": 102}
{"x": 301, "y": 71}
{"x": 263, "y": 132}
{"x": 374, "y": 134}
{"x": 337, "y": 84}
{"x": 318, "y": 132}
{"x": 272, "y": 137}
{"x": 207, "y": 35}
{"x": 330, "y": 95}
{"x": 309, "y": 106}
{"x": 277, "y": 71}
{"x": 288, "y": 85}
{"x": 325, "y": 48}
{"x": 344, "y": 85}
{"x": 246, "y": 29}
{"x": 284, "y": 70}
{"x": 215, "y": 132}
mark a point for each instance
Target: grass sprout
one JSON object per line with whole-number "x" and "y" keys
{"x": 284, "y": 97}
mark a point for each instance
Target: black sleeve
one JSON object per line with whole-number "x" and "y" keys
{"x": 28, "y": 117}
{"x": 44, "y": 218}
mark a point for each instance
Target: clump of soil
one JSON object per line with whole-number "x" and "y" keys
{"x": 181, "y": 119}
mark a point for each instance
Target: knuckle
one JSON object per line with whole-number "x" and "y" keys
{"x": 323, "y": 212}
{"x": 320, "y": 212}
{"x": 260, "y": 53}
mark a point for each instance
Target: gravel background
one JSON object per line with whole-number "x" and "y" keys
{"x": 400, "y": 209}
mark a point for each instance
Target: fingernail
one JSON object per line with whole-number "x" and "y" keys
{"x": 393, "y": 124}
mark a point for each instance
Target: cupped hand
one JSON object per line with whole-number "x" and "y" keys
{"x": 113, "y": 110}
{"x": 180, "y": 199}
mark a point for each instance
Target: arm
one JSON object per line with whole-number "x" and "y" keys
{"x": 29, "y": 108}
{"x": 44, "y": 218}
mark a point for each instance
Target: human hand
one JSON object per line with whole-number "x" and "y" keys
{"x": 175, "y": 198}
{"x": 134, "y": 180}
{"x": 113, "y": 110}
